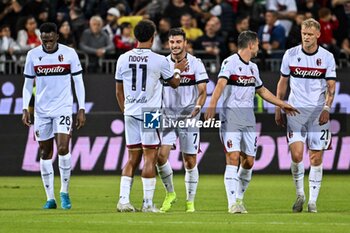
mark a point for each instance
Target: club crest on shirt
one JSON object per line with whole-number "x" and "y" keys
{"x": 290, "y": 134}
{"x": 60, "y": 58}
{"x": 251, "y": 70}
{"x": 229, "y": 143}
{"x": 240, "y": 68}
{"x": 299, "y": 59}
{"x": 40, "y": 58}
{"x": 318, "y": 61}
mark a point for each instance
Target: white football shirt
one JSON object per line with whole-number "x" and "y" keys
{"x": 308, "y": 75}
{"x": 182, "y": 100}
{"x": 140, "y": 71}
{"x": 238, "y": 96}
{"x": 52, "y": 73}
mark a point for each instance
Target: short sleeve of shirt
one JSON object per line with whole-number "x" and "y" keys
{"x": 330, "y": 73}
{"x": 118, "y": 75}
{"x": 165, "y": 70}
{"x": 225, "y": 69}
{"x": 200, "y": 72}
{"x": 258, "y": 81}
{"x": 285, "y": 70}
{"x": 29, "y": 67}
{"x": 75, "y": 64}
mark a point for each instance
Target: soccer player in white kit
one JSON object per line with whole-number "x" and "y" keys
{"x": 52, "y": 65}
{"x": 238, "y": 81}
{"x": 311, "y": 73}
{"x": 138, "y": 87}
{"x": 184, "y": 102}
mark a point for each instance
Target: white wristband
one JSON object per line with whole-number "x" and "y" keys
{"x": 177, "y": 71}
{"x": 326, "y": 108}
{"x": 198, "y": 106}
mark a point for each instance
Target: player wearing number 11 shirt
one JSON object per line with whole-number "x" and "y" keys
{"x": 53, "y": 65}
{"x": 138, "y": 87}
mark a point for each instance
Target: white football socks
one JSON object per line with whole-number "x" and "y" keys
{"x": 231, "y": 183}
{"x": 315, "y": 179}
{"x": 298, "y": 172}
{"x": 244, "y": 177}
{"x": 47, "y": 175}
{"x": 191, "y": 182}
{"x": 125, "y": 188}
{"x": 64, "y": 164}
{"x": 166, "y": 174}
{"x": 149, "y": 185}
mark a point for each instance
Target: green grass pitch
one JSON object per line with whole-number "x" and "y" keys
{"x": 268, "y": 201}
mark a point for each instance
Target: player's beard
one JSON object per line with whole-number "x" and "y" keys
{"x": 309, "y": 45}
{"x": 180, "y": 50}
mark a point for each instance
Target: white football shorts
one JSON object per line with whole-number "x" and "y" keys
{"x": 306, "y": 128}
{"x": 239, "y": 138}
{"x": 188, "y": 139}
{"x": 136, "y": 136}
{"x": 46, "y": 127}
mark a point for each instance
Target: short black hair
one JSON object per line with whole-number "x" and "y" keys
{"x": 48, "y": 27}
{"x": 166, "y": 20}
{"x": 144, "y": 30}
{"x": 240, "y": 18}
{"x": 274, "y": 13}
{"x": 4, "y": 26}
{"x": 245, "y": 38}
{"x": 123, "y": 26}
{"x": 177, "y": 32}
{"x": 186, "y": 14}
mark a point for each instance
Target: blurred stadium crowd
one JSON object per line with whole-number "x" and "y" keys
{"x": 101, "y": 30}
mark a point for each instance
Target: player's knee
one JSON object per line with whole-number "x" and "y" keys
{"x": 315, "y": 160}
{"x": 190, "y": 164}
{"x": 232, "y": 158}
{"x": 248, "y": 163}
{"x": 149, "y": 162}
{"x": 62, "y": 149}
{"x": 297, "y": 159}
{"x": 161, "y": 159}
{"x": 45, "y": 154}
{"x": 133, "y": 163}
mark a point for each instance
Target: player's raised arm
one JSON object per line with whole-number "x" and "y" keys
{"x": 219, "y": 88}
{"x": 174, "y": 82}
